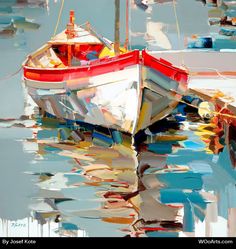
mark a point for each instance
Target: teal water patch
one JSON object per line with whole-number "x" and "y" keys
{"x": 181, "y": 196}
{"x": 156, "y": 234}
{"x": 191, "y": 145}
{"x": 225, "y": 163}
{"x": 5, "y": 19}
{"x": 74, "y": 178}
{"x": 188, "y": 219}
{"x": 193, "y": 202}
{"x": 201, "y": 167}
{"x": 183, "y": 180}
{"x": 43, "y": 134}
{"x": 117, "y": 137}
{"x": 222, "y": 182}
{"x": 221, "y": 43}
{"x": 185, "y": 157}
{"x": 51, "y": 149}
{"x": 199, "y": 212}
{"x": 231, "y": 12}
{"x": 101, "y": 139}
{"x": 161, "y": 147}
{"x": 69, "y": 226}
{"x": 51, "y": 166}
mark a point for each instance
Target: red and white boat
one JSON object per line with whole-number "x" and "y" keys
{"x": 77, "y": 76}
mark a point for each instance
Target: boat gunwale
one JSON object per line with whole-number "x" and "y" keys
{"x": 111, "y": 60}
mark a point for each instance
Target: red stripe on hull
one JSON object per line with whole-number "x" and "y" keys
{"x": 164, "y": 67}
{"x": 97, "y": 67}
{"x": 107, "y": 65}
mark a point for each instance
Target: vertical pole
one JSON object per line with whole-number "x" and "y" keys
{"x": 117, "y": 27}
{"x": 69, "y": 55}
{"x": 70, "y": 32}
{"x": 127, "y": 26}
{"x": 72, "y": 17}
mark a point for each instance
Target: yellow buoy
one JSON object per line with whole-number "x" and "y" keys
{"x": 206, "y": 110}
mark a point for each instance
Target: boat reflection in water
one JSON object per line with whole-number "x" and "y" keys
{"x": 173, "y": 193}
{"x": 168, "y": 183}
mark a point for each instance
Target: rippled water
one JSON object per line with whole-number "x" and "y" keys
{"x": 53, "y": 188}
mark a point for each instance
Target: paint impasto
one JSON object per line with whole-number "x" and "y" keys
{"x": 117, "y": 123}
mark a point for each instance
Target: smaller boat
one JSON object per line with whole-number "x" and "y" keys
{"x": 227, "y": 31}
{"x": 200, "y": 42}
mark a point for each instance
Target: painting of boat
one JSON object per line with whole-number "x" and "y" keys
{"x": 78, "y": 75}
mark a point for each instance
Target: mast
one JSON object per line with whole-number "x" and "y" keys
{"x": 117, "y": 27}
{"x": 70, "y": 33}
{"x": 127, "y": 26}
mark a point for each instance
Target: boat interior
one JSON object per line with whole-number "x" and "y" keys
{"x": 65, "y": 55}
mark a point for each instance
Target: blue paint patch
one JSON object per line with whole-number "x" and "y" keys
{"x": 222, "y": 43}
{"x": 201, "y": 167}
{"x": 69, "y": 226}
{"x": 117, "y": 137}
{"x": 103, "y": 138}
{"x": 5, "y": 19}
{"x": 180, "y": 118}
{"x": 230, "y": 12}
{"x": 201, "y": 42}
{"x": 185, "y": 157}
{"x": 181, "y": 108}
{"x": 65, "y": 133}
{"x": 180, "y": 196}
{"x": 227, "y": 32}
{"x": 188, "y": 220}
{"x": 161, "y": 234}
{"x": 199, "y": 212}
{"x": 185, "y": 180}
{"x": 74, "y": 178}
{"x": 161, "y": 147}
{"x": 193, "y": 145}
{"x": 51, "y": 149}
{"x": 42, "y": 134}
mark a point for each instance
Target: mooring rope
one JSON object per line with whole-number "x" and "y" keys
{"x": 178, "y": 30}
{"x": 59, "y": 17}
{"x": 212, "y": 69}
{"x": 11, "y": 75}
{"x": 213, "y": 112}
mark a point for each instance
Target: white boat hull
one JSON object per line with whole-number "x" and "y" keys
{"x": 111, "y": 100}
{"x": 127, "y": 100}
